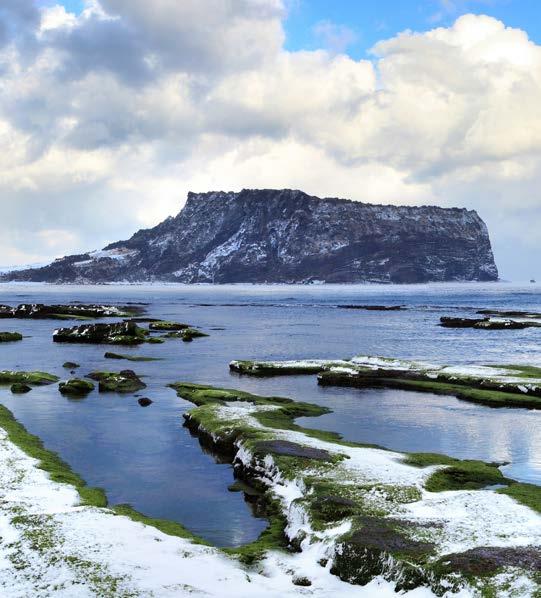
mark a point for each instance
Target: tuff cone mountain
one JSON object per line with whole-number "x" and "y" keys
{"x": 288, "y": 236}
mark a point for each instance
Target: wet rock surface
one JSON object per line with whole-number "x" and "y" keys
{"x": 186, "y": 334}
{"x": 20, "y": 388}
{"x": 489, "y": 560}
{"x": 126, "y": 381}
{"x": 56, "y": 312}
{"x": 122, "y": 333}
{"x": 76, "y": 387}
{"x": 9, "y": 337}
{"x": 291, "y": 449}
{"x": 486, "y": 323}
{"x": 366, "y": 553}
{"x": 32, "y": 378}
{"x": 70, "y": 365}
{"x": 509, "y": 313}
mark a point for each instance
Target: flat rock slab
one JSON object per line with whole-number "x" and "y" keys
{"x": 292, "y": 449}
{"x": 379, "y": 534}
{"x": 489, "y": 559}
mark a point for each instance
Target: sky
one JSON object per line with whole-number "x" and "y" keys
{"x": 112, "y": 110}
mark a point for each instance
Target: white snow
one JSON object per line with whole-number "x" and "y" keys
{"x": 145, "y": 561}
{"x": 457, "y": 520}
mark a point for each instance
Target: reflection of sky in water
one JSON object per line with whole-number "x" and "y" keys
{"x": 146, "y": 458}
{"x": 410, "y": 421}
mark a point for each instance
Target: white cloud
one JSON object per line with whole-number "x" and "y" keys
{"x": 116, "y": 113}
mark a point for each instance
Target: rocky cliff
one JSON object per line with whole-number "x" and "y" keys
{"x": 289, "y": 236}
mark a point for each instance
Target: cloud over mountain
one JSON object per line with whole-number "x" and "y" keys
{"x": 107, "y": 118}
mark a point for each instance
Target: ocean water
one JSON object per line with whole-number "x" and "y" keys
{"x": 145, "y": 457}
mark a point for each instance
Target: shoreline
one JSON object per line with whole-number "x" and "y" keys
{"x": 57, "y": 501}
{"x": 51, "y": 544}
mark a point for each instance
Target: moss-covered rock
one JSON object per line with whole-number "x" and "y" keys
{"x": 290, "y": 449}
{"x": 488, "y": 561}
{"x": 76, "y": 387}
{"x": 383, "y": 547}
{"x": 332, "y": 496}
{"x": 125, "y": 381}
{"x": 122, "y": 333}
{"x": 19, "y": 388}
{"x": 187, "y": 334}
{"x": 485, "y": 385}
{"x": 277, "y": 368}
{"x": 70, "y": 365}
{"x": 8, "y": 337}
{"x": 78, "y": 311}
{"x": 32, "y": 378}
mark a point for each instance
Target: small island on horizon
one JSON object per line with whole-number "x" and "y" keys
{"x": 287, "y": 236}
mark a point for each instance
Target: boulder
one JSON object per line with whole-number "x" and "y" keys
{"x": 7, "y": 337}
{"x": 70, "y": 365}
{"x": 76, "y": 387}
{"x": 20, "y": 388}
{"x": 125, "y": 381}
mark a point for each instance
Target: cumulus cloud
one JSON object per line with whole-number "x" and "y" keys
{"x": 109, "y": 117}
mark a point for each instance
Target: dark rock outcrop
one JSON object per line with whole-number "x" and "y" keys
{"x": 19, "y": 388}
{"x": 9, "y": 337}
{"x": 486, "y": 324}
{"x": 123, "y": 333}
{"x": 75, "y": 387}
{"x": 40, "y": 311}
{"x": 289, "y": 236}
{"x": 126, "y": 381}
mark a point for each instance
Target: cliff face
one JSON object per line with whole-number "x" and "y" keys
{"x": 288, "y": 236}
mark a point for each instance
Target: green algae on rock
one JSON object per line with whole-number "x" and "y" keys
{"x": 76, "y": 387}
{"x": 186, "y": 334}
{"x": 125, "y": 381}
{"x": 492, "y": 385}
{"x": 19, "y": 388}
{"x": 33, "y": 378}
{"x": 70, "y": 365}
{"x": 369, "y": 509}
{"x": 280, "y": 368}
{"x": 121, "y": 333}
{"x": 8, "y": 337}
